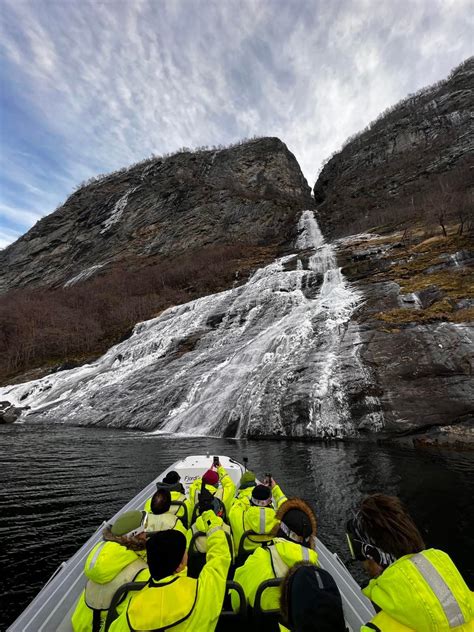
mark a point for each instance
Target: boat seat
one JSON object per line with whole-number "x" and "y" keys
{"x": 197, "y": 559}
{"x": 230, "y": 621}
{"x": 242, "y": 553}
{"x": 119, "y": 595}
{"x": 265, "y": 620}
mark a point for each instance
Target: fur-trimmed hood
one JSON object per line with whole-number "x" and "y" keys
{"x": 300, "y": 505}
{"x": 131, "y": 543}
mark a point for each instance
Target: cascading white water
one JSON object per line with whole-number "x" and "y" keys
{"x": 271, "y": 358}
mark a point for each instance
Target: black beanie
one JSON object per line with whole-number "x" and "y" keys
{"x": 261, "y": 495}
{"x": 171, "y": 477}
{"x": 165, "y": 551}
{"x": 314, "y": 601}
{"x": 298, "y": 522}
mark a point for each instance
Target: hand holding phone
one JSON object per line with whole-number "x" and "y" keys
{"x": 215, "y": 462}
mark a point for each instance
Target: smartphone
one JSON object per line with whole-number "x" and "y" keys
{"x": 215, "y": 461}
{"x": 268, "y": 479}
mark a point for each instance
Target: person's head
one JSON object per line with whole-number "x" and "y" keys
{"x": 160, "y": 502}
{"x": 261, "y": 496}
{"x": 211, "y": 477}
{"x": 171, "y": 478}
{"x": 247, "y": 480}
{"x": 382, "y": 531}
{"x": 166, "y": 553}
{"x": 297, "y": 522}
{"x": 129, "y": 530}
{"x": 310, "y": 600}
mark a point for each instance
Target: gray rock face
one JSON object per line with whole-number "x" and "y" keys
{"x": 252, "y": 193}
{"x": 417, "y": 343}
{"x": 400, "y": 156}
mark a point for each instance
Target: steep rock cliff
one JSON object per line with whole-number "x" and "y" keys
{"x": 251, "y": 192}
{"x": 421, "y": 147}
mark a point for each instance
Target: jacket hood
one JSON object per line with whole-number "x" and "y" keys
{"x": 106, "y": 560}
{"x": 402, "y": 593}
{"x": 260, "y": 519}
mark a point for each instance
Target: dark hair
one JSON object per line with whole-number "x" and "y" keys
{"x": 389, "y": 525}
{"x": 160, "y": 501}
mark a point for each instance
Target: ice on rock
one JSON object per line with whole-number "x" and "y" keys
{"x": 265, "y": 360}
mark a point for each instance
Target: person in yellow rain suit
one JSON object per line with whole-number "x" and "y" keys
{"x": 160, "y": 518}
{"x": 258, "y": 516}
{"x": 246, "y": 485}
{"x": 294, "y": 541}
{"x": 119, "y": 558}
{"x": 218, "y": 483}
{"x": 171, "y": 483}
{"x": 413, "y": 588}
{"x": 172, "y": 600}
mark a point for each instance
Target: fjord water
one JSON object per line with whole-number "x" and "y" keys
{"x": 60, "y": 483}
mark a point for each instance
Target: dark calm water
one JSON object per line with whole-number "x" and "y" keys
{"x": 59, "y": 483}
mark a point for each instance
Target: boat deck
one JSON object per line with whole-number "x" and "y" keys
{"x": 52, "y": 608}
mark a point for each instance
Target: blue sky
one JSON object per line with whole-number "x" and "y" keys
{"x": 89, "y": 87}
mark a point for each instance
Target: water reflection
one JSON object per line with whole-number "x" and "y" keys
{"x": 60, "y": 483}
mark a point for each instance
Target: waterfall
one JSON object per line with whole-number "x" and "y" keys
{"x": 274, "y": 356}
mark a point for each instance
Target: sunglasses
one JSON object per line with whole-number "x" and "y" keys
{"x": 356, "y": 546}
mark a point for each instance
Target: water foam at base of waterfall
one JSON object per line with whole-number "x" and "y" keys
{"x": 268, "y": 359}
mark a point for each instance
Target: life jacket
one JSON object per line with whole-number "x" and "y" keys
{"x": 108, "y": 566}
{"x": 162, "y": 522}
{"x": 163, "y": 610}
{"x": 425, "y": 592}
{"x": 279, "y": 561}
{"x": 99, "y": 596}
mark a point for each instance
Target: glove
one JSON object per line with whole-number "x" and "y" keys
{"x": 210, "y": 520}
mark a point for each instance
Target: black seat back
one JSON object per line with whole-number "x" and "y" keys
{"x": 242, "y": 553}
{"x": 230, "y": 621}
{"x": 118, "y": 597}
{"x": 197, "y": 559}
{"x": 266, "y": 620}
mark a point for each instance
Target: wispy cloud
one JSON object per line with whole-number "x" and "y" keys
{"x": 90, "y": 87}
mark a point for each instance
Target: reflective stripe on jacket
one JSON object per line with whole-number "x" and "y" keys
{"x": 163, "y": 603}
{"x": 425, "y": 592}
{"x": 244, "y": 517}
{"x": 267, "y": 563}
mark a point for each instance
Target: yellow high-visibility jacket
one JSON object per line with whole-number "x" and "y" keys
{"x": 107, "y": 567}
{"x": 244, "y": 517}
{"x": 423, "y": 592}
{"x": 225, "y": 492}
{"x": 267, "y": 563}
{"x": 186, "y": 604}
{"x": 200, "y": 542}
{"x": 178, "y": 510}
{"x": 165, "y": 522}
